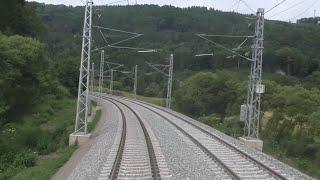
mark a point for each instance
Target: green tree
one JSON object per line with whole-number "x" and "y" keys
{"x": 25, "y": 75}
{"x": 295, "y": 119}
{"x": 313, "y": 80}
{"x": 67, "y": 71}
{"x": 207, "y": 93}
{"x": 19, "y": 17}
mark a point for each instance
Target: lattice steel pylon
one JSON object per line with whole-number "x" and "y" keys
{"x": 101, "y": 75}
{"x": 135, "y": 82}
{"x": 111, "y": 82}
{"x": 84, "y": 77}
{"x": 255, "y": 88}
{"x": 169, "y": 90}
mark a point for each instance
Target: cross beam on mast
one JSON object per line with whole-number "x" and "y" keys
{"x": 169, "y": 75}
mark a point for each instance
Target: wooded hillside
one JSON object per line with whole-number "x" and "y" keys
{"x": 290, "y": 47}
{"x": 40, "y": 48}
{"x": 290, "y": 125}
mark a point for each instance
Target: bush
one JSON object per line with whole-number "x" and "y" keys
{"x": 206, "y": 93}
{"x": 153, "y": 90}
{"x": 68, "y": 74}
{"x": 45, "y": 145}
{"x": 29, "y": 137}
{"x": 212, "y": 120}
{"x": 5, "y": 159}
{"x": 25, "y": 76}
{"x": 27, "y": 159}
{"x": 318, "y": 158}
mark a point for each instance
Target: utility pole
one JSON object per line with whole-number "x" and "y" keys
{"x": 169, "y": 90}
{"x": 83, "y": 89}
{"x": 111, "y": 81}
{"x": 135, "y": 81}
{"x": 101, "y": 75}
{"x": 255, "y": 88}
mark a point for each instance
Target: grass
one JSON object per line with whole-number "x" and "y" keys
{"x": 152, "y": 100}
{"x": 48, "y": 168}
{"x": 232, "y": 127}
{"x": 44, "y": 133}
{"x": 303, "y": 164}
{"x": 92, "y": 125}
{"x": 272, "y": 148}
{"x": 62, "y": 116}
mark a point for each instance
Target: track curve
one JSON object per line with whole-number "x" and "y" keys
{"x": 133, "y": 150}
{"x": 270, "y": 173}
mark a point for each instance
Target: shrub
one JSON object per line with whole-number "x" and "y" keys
{"x": 206, "y": 93}
{"x": 44, "y": 146}
{"x": 29, "y": 136}
{"x": 27, "y": 159}
{"x": 318, "y": 158}
{"x": 25, "y": 76}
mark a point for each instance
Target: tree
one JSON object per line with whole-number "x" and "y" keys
{"x": 290, "y": 46}
{"x": 19, "y": 17}
{"x": 295, "y": 120}
{"x": 67, "y": 71}
{"x": 295, "y": 62}
{"x": 206, "y": 93}
{"x": 313, "y": 80}
{"x": 25, "y": 76}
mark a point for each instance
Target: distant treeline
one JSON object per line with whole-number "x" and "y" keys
{"x": 291, "y": 48}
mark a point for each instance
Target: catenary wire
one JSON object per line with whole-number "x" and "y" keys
{"x": 247, "y": 5}
{"x": 275, "y": 6}
{"x": 308, "y": 8}
{"x": 296, "y": 4}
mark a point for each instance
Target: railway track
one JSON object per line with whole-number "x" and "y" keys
{"x": 236, "y": 163}
{"x": 134, "y": 153}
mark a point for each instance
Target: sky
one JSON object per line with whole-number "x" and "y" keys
{"x": 289, "y": 10}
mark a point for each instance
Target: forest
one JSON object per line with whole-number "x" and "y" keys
{"x": 39, "y": 67}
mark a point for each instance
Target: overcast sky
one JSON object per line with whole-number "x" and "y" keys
{"x": 290, "y": 10}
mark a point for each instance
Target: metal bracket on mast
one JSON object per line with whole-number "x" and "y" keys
{"x": 133, "y": 75}
{"x": 84, "y": 77}
{"x": 156, "y": 67}
{"x": 112, "y": 69}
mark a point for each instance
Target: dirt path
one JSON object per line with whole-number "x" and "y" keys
{"x": 67, "y": 169}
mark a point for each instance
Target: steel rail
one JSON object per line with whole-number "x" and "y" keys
{"x": 204, "y": 149}
{"x": 153, "y": 159}
{"x": 116, "y": 165}
{"x": 261, "y": 165}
